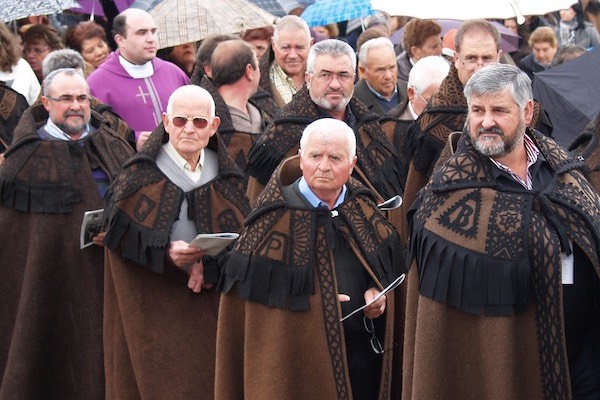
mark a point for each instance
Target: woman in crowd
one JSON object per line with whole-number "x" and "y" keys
{"x": 15, "y": 72}
{"x": 183, "y": 55}
{"x": 573, "y": 29}
{"x": 89, "y": 39}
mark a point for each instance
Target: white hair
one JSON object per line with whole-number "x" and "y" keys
{"x": 292, "y": 22}
{"x": 188, "y": 91}
{"x": 326, "y": 128}
{"x": 363, "y": 54}
{"x": 428, "y": 71}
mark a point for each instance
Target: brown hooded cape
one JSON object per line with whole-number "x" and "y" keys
{"x": 485, "y": 296}
{"x": 280, "y": 335}
{"x": 50, "y": 289}
{"x": 159, "y": 336}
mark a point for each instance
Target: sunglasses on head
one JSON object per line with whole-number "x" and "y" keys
{"x": 199, "y": 122}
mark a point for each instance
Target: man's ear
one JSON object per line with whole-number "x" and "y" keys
{"x": 165, "y": 119}
{"x": 46, "y": 103}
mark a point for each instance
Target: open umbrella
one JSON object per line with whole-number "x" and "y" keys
{"x": 509, "y": 42}
{"x": 325, "y": 12}
{"x": 11, "y": 10}
{"x": 469, "y": 9}
{"x": 94, "y": 7}
{"x": 185, "y": 21}
{"x": 570, "y": 93}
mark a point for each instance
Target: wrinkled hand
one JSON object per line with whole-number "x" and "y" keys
{"x": 142, "y": 139}
{"x": 378, "y": 307}
{"x": 183, "y": 254}
{"x": 98, "y": 238}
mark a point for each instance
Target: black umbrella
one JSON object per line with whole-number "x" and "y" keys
{"x": 570, "y": 93}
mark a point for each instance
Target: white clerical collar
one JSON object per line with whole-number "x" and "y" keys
{"x": 53, "y": 130}
{"x": 182, "y": 162}
{"x": 137, "y": 71}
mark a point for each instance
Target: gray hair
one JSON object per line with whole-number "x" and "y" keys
{"x": 60, "y": 59}
{"x": 498, "y": 78}
{"x": 331, "y": 47}
{"x": 66, "y": 71}
{"x": 371, "y": 44}
{"x": 326, "y": 128}
{"x": 430, "y": 70}
{"x": 189, "y": 91}
{"x": 292, "y": 22}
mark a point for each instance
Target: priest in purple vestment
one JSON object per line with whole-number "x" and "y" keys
{"x": 132, "y": 80}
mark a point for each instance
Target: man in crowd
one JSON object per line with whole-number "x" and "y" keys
{"x": 328, "y": 94}
{"x": 315, "y": 236}
{"x": 235, "y": 76}
{"x": 379, "y": 88}
{"x": 63, "y": 157}
{"x": 477, "y": 46}
{"x": 68, "y": 58}
{"x": 132, "y": 80}
{"x": 424, "y": 80}
{"x": 282, "y": 70}
{"x": 159, "y": 338}
{"x": 503, "y": 287}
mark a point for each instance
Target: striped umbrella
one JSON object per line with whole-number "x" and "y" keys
{"x": 184, "y": 21}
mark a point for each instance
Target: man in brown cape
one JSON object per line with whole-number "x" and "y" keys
{"x": 503, "y": 287}
{"x": 160, "y": 338}
{"x": 62, "y": 158}
{"x": 477, "y": 46}
{"x": 314, "y": 234}
{"x": 328, "y": 94}
{"x": 233, "y": 84}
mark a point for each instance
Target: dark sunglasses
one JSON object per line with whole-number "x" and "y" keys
{"x": 199, "y": 122}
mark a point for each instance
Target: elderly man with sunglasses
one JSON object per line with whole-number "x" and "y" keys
{"x": 160, "y": 304}
{"x": 314, "y": 236}
{"x": 62, "y": 158}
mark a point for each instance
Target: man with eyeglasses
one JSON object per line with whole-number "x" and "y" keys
{"x": 503, "y": 289}
{"x": 160, "y": 304}
{"x": 328, "y": 94}
{"x": 132, "y": 80}
{"x": 380, "y": 89}
{"x": 63, "y": 157}
{"x": 424, "y": 79}
{"x": 314, "y": 239}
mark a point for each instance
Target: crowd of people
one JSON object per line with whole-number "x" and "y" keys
{"x": 405, "y": 225}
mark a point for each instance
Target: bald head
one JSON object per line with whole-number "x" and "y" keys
{"x": 189, "y": 92}
{"x": 230, "y": 61}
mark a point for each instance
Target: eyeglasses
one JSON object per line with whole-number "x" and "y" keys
{"x": 326, "y": 77}
{"x": 423, "y": 99}
{"x": 473, "y": 61}
{"x": 199, "y": 122}
{"x": 36, "y": 50}
{"x": 375, "y": 343}
{"x": 67, "y": 100}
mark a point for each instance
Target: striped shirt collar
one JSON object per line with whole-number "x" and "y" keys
{"x": 532, "y": 156}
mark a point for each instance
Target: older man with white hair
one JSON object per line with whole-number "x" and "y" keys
{"x": 315, "y": 238}
{"x": 160, "y": 338}
{"x": 379, "y": 88}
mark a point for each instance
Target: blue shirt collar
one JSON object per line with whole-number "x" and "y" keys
{"x": 313, "y": 199}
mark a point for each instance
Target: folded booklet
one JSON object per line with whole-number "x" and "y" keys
{"x": 213, "y": 243}
{"x": 90, "y": 226}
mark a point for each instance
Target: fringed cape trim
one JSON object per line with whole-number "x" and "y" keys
{"x": 143, "y": 204}
{"x": 275, "y": 259}
{"x": 498, "y": 283}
